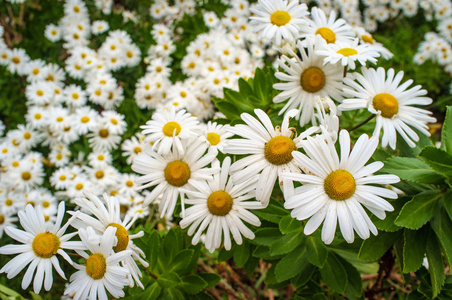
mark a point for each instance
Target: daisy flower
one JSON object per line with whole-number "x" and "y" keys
{"x": 279, "y": 19}
{"x": 168, "y": 128}
{"x": 220, "y": 206}
{"x": 305, "y": 78}
{"x": 101, "y": 269}
{"x": 348, "y": 53}
{"x": 170, "y": 173}
{"x": 335, "y": 189}
{"x": 39, "y": 247}
{"x": 7, "y": 217}
{"x": 391, "y": 102}
{"x": 216, "y": 135}
{"x": 268, "y": 148}
{"x": 331, "y": 30}
{"x": 106, "y": 216}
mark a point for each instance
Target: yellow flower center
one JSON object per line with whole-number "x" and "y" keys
{"x": 45, "y": 245}
{"x": 312, "y": 79}
{"x": 27, "y": 135}
{"x": 339, "y": 185}
{"x": 96, "y": 266}
{"x": 45, "y": 204}
{"x": 38, "y": 116}
{"x": 387, "y": 104}
{"x": 84, "y": 119}
{"x": 367, "y": 39}
{"x": 219, "y": 203}
{"x": 59, "y": 156}
{"x": 99, "y": 174}
{"x": 213, "y": 138}
{"x": 62, "y": 177}
{"x": 15, "y": 164}
{"x": 8, "y": 202}
{"x": 280, "y": 18}
{"x": 129, "y": 183}
{"x": 16, "y": 60}
{"x": 169, "y": 128}
{"x": 39, "y": 93}
{"x": 122, "y": 235}
{"x": 100, "y": 157}
{"x": 26, "y": 175}
{"x": 278, "y": 150}
{"x": 114, "y": 121}
{"x": 137, "y": 150}
{"x": 75, "y": 96}
{"x": 35, "y": 71}
{"x": 103, "y": 133}
{"x": 60, "y": 119}
{"x": 79, "y": 186}
{"x": 347, "y": 51}
{"x": 328, "y": 35}
{"x": 177, "y": 173}
{"x": 2, "y": 219}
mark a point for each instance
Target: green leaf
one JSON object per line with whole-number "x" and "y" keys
{"x": 173, "y": 294}
{"x": 241, "y": 254}
{"x": 289, "y": 224}
{"x": 153, "y": 292}
{"x": 245, "y": 88}
{"x": 168, "y": 280}
{"x": 412, "y": 169}
{"x": 435, "y": 265}
{"x": 414, "y": 245}
{"x": 419, "y": 210}
{"x": 375, "y": 246}
{"x": 387, "y": 224}
{"x": 286, "y": 243}
{"x": 291, "y": 264}
{"x": 150, "y": 243}
{"x": 442, "y": 226}
{"x": 212, "y": 279}
{"x": 266, "y": 236}
{"x": 317, "y": 252}
{"x": 446, "y": 132}
{"x": 333, "y": 274}
{"x": 193, "y": 284}
{"x": 272, "y": 213}
{"x": 306, "y": 272}
{"x": 264, "y": 253}
{"x": 439, "y": 160}
{"x": 447, "y": 201}
{"x": 181, "y": 261}
{"x": 227, "y": 108}
{"x": 251, "y": 265}
{"x": 354, "y": 283}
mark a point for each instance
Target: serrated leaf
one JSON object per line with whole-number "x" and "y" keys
{"x": 291, "y": 264}
{"x": 419, "y": 210}
{"x": 212, "y": 279}
{"x": 375, "y": 246}
{"x": 439, "y": 160}
{"x": 181, "y": 261}
{"x": 435, "y": 265}
{"x": 261, "y": 88}
{"x": 266, "y": 236}
{"x": 446, "y": 132}
{"x": 442, "y": 226}
{"x": 241, "y": 254}
{"x": 412, "y": 169}
{"x": 289, "y": 224}
{"x": 317, "y": 252}
{"x": 193, "y": 284}
{"x": 286, "y": 243}
{"x": 272, "y": 213}
{"x": 414, "y": 245}
{"x": 227, "y": 108}
{"x": 333, "y": 274}
{"x": 168, "y": 280}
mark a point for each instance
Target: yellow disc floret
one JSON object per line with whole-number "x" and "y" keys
{"x": 170, "y": 127}
{"x": 387, "y": 104}
{"x": 219, "y": 203}
{"x": 213, "y": 138}
{"x": 339, "y": 185}
{"x": 45, "y": 245}
{"x": 312, "y": 79}
{"x": 280, "y": 18}
{"x": 328, "y": 35}
{"x": 177, "y": 173}
{"x": 347, "y": 51}
{"x": 96, "y": 266}
{"x": 122, "y": 235}
{"x": 278, "y": 150}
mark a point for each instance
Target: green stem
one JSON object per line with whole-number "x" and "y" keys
{"x": 362, "y": 123}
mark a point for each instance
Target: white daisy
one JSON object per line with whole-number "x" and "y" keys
{"x": 106, "y": 216}
{"x": 220, "y": 206}
{"x": 170, "y": 173}
{"x": 306, "y": 78}
{"x": 392, "y": 103}
{"x": 216, "y": 135}
{"x": 268, "y": 148}
{"x": 279, "y": 19}
{"x": 331, "y": 30}
{"x": 334, "y": 189}
{"x": 101, "y": 269}
{"x": 39, "y": 247}
{"x": 168, "y": 128}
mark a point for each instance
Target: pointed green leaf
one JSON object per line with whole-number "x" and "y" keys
{"x": 181, "y": 261}
{"x": 241, "y": 254}
{"x": 266, "y": 236}
{"x": 168, "y": 280}
{"x": 291, "y": 264}
{"x": 193, "y": 284}
{"x": 245, "y": 88}
{"x": 435, "y": 264}
{"x": 306, "y": 272}
{"x": 286, "y": 243}
{"x": 333, "y": 274}
{"x": 375, "y": 246}
{"x": 317, "y": 252}
{"x": 354, "y": 283}
{"x": 419, "y": 210}
{"x": 446, "y": 132}
{"x": 412, "y": 169}
{"x": 272, "y": 213}
{"x": 414, "y": 245}
{"x": 264, "y": 253}
{"x": 442, "y": 226}
{"x": 289, "y": 224}
{"x": 212, "y": 279}
{"x": 439, "y": 160}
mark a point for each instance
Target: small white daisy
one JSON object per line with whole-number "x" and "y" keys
{"x": 334, "y": 189}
